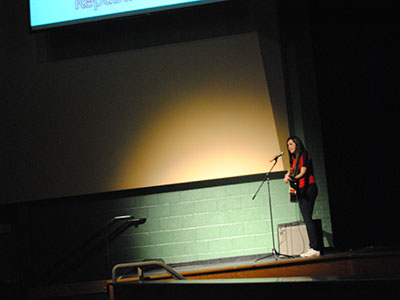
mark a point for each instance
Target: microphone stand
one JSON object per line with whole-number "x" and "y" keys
{"x": 275, "y": 253}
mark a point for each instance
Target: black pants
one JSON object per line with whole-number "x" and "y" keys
{"x": 306, "y": 198}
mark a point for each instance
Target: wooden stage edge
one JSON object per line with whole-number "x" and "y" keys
{"x": 370, "y": 263}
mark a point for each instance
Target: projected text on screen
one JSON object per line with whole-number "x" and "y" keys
{"x": 51, "y": 13}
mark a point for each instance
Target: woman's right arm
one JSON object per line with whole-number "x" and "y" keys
{"x": 286, "y": 178}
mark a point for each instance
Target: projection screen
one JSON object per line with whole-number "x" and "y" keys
{"x": 163, "y": 115}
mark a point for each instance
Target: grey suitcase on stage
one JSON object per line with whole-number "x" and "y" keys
{"x": 293, "y": 237}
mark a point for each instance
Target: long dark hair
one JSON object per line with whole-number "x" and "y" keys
{"x": 300, "y": 149}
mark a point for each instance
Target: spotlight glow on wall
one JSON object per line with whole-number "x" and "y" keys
{"x": 213, "y": 117}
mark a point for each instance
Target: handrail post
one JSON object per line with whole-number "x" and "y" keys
{"x": 138, "y": 265}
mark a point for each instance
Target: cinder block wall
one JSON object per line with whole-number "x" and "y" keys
{"x": 205, "y": 223}
{"x": 64, "y": 239}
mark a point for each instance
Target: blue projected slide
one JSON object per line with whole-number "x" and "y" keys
{"x": 50, "y": 13}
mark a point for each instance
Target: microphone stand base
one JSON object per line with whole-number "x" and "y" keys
{"x": 276, "y": 256}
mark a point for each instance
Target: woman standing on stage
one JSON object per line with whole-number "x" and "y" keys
{"x": 302, "y": 182}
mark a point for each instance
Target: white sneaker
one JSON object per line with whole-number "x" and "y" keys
{"x": 310, "y": 253}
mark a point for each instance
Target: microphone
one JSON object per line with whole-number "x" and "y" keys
{"x": 276, "y": 157}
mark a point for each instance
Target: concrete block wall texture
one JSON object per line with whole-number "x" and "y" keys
{"x": 205, "y": 223}
{"x": 64, "y": 239}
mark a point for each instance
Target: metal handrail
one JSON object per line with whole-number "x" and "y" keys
{"x": 138, "y": 265}
{"x": 129, "y": 219}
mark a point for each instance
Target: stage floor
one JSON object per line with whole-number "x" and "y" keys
{"x": 362, "y": 274}
{"x": 368, "y": 270}
{"x": 367, "y": 262}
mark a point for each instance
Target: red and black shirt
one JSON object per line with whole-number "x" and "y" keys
{"x": 304, "y": 161}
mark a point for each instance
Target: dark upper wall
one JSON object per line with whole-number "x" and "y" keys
{"x": 58, "y": 108}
